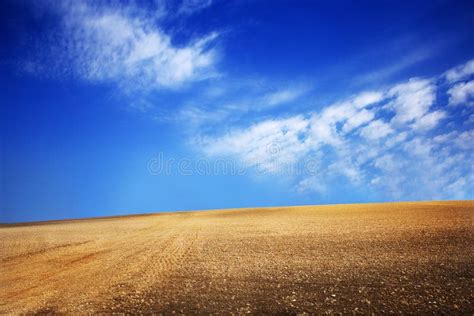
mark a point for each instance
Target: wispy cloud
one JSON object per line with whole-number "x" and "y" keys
{"x": 122, "y": 45}
{"x": 192, "y": 6}
{"x": 376, "y": 130}
{"x": 268, "y": 144}
{"x": 394, "y": 68}
{"x": 461, "y": 93}
{"x": 460, "y": 72}
{"x": 462, "y": 89}
{"x": 384, "y": 140}
{"x": 279, "y": 97}
{"x": 412, "y": 99}
{"x": 237, "y": 100}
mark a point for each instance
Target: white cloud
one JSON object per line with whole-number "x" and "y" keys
{"x": 120, "y": 45}
{"x": 312, "y": 184}
{"x": 421, "y": 169}
{"x": 429, "y": 121}
{"x": 280, "y": 97}
{"x": 195, "y": 116}
{"x": 295, "y": 137}
{"x": 443, "y": 138}
{"x": 346, "y": 168}
{"x": 412, "y": 99}
{"x": 349, "y": 113}
{"x": 461, "y": 93}
{"x": 323, "y": 132}
{"x": 391, "y": 167}
{"x": 192, "y": 6}
{"x": 141, "y": 105}
{"x": 378, "y": 139}
{"x": 358, "y": 119}
{"x": 376, "y": 130}
{"x": 465, "y": 140}
{"x": 396, "y": 66}
{"x": 460, "y": 72}
{"x": 221, "y": 102}
{"x": 418, "y": 147}
{"x": 396, "y": 139}
{"x": 367, "y": 98}
{"x": 269, "y": 144}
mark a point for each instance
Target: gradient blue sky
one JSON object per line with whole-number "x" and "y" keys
{"x": 314, "y": 101}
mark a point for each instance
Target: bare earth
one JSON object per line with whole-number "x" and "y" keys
{"x": 392, "y": 257}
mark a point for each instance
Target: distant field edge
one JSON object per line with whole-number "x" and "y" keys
{"x": 72, "y": 220}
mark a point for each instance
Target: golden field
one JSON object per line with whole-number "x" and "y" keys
{"x": 361, "y": 258}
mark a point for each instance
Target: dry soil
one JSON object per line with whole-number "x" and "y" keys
{"x": 382, "y": 258}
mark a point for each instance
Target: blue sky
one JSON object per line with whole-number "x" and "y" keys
{"x": 129, "y": 107}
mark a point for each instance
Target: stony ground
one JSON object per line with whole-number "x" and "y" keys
{"x": 383, "y": 258}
